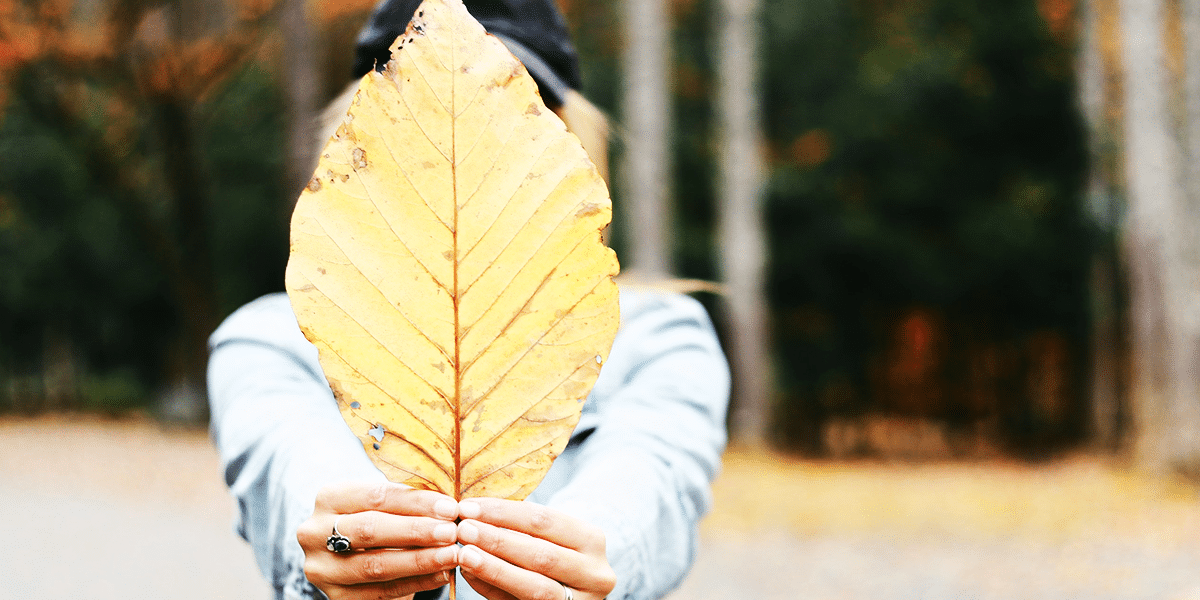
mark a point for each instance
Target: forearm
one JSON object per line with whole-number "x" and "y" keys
{"x": 280, "y": 439}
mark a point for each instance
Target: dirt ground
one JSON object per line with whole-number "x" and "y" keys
{"x": 128, "y": 509}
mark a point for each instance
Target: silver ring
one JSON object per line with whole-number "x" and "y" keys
{"x": 338, "y": 543}
{"x": 567, "y": 593}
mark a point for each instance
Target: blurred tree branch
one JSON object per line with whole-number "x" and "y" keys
{"x": 154, "y": 76}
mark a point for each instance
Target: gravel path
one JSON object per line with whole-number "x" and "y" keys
{"x": 103, "y": 510}
{"x": 873, "y": 567}
{"x": 129, "y": 510}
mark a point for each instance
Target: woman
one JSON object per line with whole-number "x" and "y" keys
{"x": 615, "y": 517}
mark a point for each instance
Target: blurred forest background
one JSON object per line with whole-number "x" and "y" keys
{"x": 942, "y": 227}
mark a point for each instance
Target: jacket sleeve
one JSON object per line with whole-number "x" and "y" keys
{"x": 279, "y": 434}
{"x": 644, "y": 473}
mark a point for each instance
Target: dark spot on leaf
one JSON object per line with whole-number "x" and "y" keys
{"x": 587, "y": 210}
{"x": 314, "y": 185}
{"x": 376, "y": 445}
{"x": 321, "y": 270}
{"x": 533, "y": 109}
{"x": 448, "y": 255}
{"x": 441, "y": 367}
{"x": 360, "y": 158}
{"x": 355, "y": 404}
{"x": 377, "y": 432}
{"x": 345, "y": 177}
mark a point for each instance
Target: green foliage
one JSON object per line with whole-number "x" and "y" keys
{"x": 243, "y": 140}
{"x": 929, "y": 155}
{"x": 74, "y": 264}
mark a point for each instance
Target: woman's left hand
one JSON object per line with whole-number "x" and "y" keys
{"x": 525, "y": 551}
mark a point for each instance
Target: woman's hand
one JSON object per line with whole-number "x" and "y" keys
{"x": 524, "y": 551}
{"x": 401, "y": 540}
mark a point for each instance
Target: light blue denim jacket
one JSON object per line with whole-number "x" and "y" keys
{"x": 638, "y": 466}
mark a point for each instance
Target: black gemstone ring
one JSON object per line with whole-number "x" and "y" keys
{"x": 336, "y": 542}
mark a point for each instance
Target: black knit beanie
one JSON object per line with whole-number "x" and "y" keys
{"x": 533, "y": 30}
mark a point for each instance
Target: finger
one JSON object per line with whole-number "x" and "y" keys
{"x": 400, "y": 587}
{"x": 530, "y": 553}
{"x": 520, "y": 583}
{"x": 387, "y": 497}
{"x": 485, "y": 589}
{"x": 374, "y": 529}
{"x": 536, "y": 520}
{"x": 376, "y": 566}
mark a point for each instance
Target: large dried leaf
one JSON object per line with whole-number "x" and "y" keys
{"x": 447, "y": 263}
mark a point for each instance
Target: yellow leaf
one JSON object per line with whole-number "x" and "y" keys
{"x": 447, "y": 264}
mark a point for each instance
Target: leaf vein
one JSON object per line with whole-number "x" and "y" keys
{"x": 495, "y": 161}
{"x": 485, "y": 446}
{"x": 514, "y": 237}
{"x": 492, "y": 225}
{"x": 380, "y": 387}
{"x": 525, "y": 354}
{"x": 419, "y": 123}
{"x": 403, "y": 244}
{"x": 532, "y": 294}
{"x": 386, "y": 301}
{"x": 400, "y": 167}
{"x": 484, "y": 477}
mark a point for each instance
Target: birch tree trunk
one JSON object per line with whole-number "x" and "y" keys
{"x": 742, "y": 245}
{"x": 1160, "y": 237}
{"x": 1187, "y": 227}
{"x": 647, "y": 116}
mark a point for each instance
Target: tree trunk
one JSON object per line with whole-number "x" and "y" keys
{"x": 301, "y": 82}
{"x": 195, "y": 289}
{"x": 647, "y": 116}
{"x": 1187, "y": 228}
{"x": 742, "y": 246}
{"x": 1159, "y": 251}
{"x": 1107, "y": 349}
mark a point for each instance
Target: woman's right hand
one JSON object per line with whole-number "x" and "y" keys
{"x": 402, "y": 541}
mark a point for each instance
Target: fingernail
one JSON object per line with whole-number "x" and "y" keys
{"x": 446, "y": 508}
{"x": 468, "y": 509}
{"x": 468, "y": 533}
{"x": 446, "y": 555}
{"x": 445, "y": 532}
{"x": 471, "y": 557}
